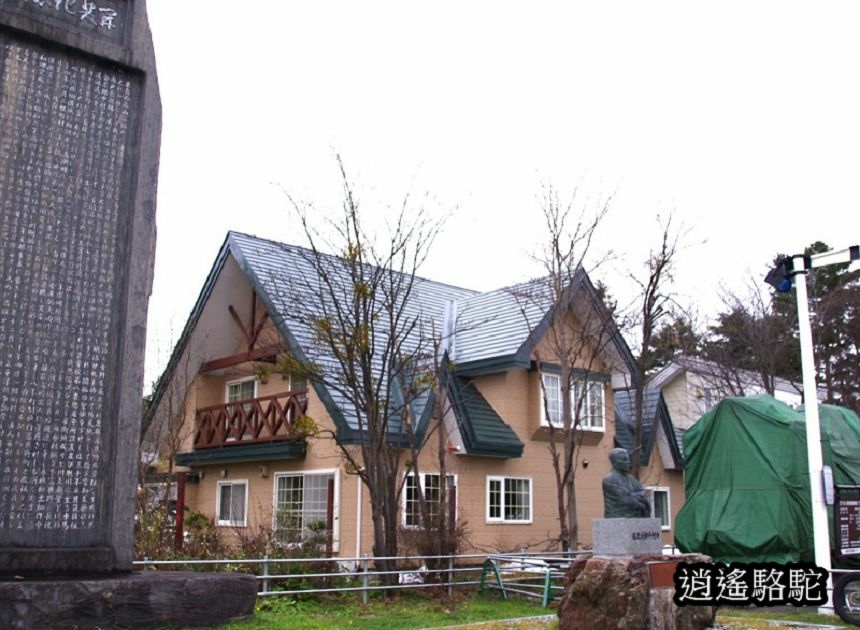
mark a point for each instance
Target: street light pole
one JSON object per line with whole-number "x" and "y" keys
{"x": 794, "y": 270}
{"x": 820, "y": 533}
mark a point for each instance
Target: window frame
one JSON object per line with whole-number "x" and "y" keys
{"x": 652, "y": 490}
{"x": 590, "y": 385}
{"x": 424, "y": 475}
{"x": 334, "y": 472}
{"x": 501, "y": 519}
{"x": 239, "y": 381}
{"x": 231, "y": 523}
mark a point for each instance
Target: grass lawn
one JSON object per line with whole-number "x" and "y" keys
{"x": 408, "y": 611}
{"x": 755, "y": 619}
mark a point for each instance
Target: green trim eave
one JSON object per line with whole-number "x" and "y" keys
{"x": 285, "y": 449}
{"x": 492, "y": 365}
{"x": 554, "y": 368}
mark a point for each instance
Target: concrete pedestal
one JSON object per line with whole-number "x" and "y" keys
{"x": 626, "y": 537}
{"x": 150, "y": 599}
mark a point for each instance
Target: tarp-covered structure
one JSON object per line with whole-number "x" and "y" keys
{"x": 747, "y": 479}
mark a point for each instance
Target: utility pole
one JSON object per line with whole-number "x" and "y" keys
{"x": 792, "y": 270}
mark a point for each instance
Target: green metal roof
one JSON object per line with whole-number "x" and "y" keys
{"x": 482, "y": 429}
{"x": 284, "y": 449}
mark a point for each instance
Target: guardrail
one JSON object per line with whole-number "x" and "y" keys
{"x": 279, "y": 576}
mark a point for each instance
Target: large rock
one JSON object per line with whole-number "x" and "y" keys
{"x": 150, "y": 599}
{"x": 616, "y": 594}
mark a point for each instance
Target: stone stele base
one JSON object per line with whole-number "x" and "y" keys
{"x": 604, "y": 593}
{"x": 150, "y": 599}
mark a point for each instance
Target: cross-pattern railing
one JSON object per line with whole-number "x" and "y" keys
{"x": 264, "y": 419}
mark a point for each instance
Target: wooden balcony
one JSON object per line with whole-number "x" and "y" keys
{"x": 267, "y": 419}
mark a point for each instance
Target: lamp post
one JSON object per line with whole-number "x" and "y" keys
{"x": 792, "y": 270}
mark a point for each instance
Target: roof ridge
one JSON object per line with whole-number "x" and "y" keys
{"x": 302, "y": 248}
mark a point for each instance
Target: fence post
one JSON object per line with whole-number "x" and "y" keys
{"x": 450, "y": 575}
{"x": 364, "y": 581}
{"x": 265, "y": 574}
{"x": 547, "y": 587}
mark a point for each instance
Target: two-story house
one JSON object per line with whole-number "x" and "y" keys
{"x": 236, "y": 418}
{"x": 692, "y": 385}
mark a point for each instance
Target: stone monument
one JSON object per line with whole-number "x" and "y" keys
{"x": 627, "y": 583}
{"x": 627, "y": 528}
{"x": 80, "y": 124}
{"x": 80, "y": 121}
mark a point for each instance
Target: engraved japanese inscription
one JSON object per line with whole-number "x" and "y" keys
{"x": 64, "y": 125}
{"x": 104, "y": 19}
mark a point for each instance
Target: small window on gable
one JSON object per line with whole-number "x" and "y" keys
{"x": 592, "y": 409}
{"x": 241, "y": 390}
{"x": 550, "y": 403}
{"x": 299, "y": 384}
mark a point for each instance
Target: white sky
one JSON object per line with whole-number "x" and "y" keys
{"x": 741, "y": 118}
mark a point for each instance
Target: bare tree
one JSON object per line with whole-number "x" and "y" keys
{"x": 165, "y": 436}
{"x": 653, "y": 305}
{"x": 370, "y": 345}
{"x": 750, "y": 345}
{"x": 575, "y": 328}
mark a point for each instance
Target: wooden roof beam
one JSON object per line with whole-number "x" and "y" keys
{"x": 267, "y": 353}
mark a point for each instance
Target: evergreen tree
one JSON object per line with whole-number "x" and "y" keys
{"x": 760, "y": 334}
{"x": 676, "y": 336}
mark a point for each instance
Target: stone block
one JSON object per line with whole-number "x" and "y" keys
{"x": 151, "y": 599}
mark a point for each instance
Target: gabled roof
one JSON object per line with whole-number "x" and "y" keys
{"x": 655, "y": 415}
{"x": 499, "y": 329}
{"x": 495, "y": 335}
{"x": 710, "y": 369}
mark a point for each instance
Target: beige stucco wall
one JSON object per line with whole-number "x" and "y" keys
{"x": 515, "y": 396}
{"x": 677, "y": 396}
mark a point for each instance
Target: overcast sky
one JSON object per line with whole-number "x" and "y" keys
{"x": 742, "y": 119}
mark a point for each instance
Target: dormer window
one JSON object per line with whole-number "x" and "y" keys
{"x": 592, "y": 412}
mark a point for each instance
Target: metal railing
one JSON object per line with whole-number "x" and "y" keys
{"x": 279, "y": 576}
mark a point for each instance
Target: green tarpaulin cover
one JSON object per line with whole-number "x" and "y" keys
{"x": 747, "y": 483}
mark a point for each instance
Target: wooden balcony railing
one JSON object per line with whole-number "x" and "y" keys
{"x": 266, "y": 419}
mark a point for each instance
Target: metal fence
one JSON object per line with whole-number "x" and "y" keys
{"x": 531, "y": 574}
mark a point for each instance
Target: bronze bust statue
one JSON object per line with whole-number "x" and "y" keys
{"x": 623, "y": 495}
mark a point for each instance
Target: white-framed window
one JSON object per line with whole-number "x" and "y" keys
{"x": 430, "y": 484}
{"x": 301, "y": 505}
{"x": 509, "y": 500}
{"x": 591, "y": 392}
{"x": 246, "y": 389}
{"x": 231, "y": 503}
{"x": 660, "y": 505}
{"x": 550, "y": 403}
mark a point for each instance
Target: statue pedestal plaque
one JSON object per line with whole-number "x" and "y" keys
{"x": 627, "y": 537}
